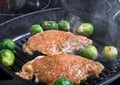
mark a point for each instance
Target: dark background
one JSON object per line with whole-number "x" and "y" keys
{"x": 107, "y": 10}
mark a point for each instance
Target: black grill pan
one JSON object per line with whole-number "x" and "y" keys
{"x": 18, "y": 30}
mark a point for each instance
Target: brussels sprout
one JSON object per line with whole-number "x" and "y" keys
{"x": 89, "y": 52}
{"x": 110, "y": 52}
{"x": 64, "y": 25}
{"x": 86, "y": 29}
{"x": 35, "y": 29}
{"x": 7, "y": 57}
{"x": 7, "y": 44}
{"x": 63, "y": 81}
{"x": 50, "y": 25}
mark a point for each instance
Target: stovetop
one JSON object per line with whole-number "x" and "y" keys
{"x": 10, "y": 14}
{"x": 14, "y": 10}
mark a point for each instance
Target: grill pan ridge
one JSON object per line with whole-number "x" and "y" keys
{"x": 110, "y": 73}
{"x": 105, "y": 77}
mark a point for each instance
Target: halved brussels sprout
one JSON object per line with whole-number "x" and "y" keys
{"x": 7, "y": 57}
{"x": 64, "y": 25}
{"x": 63, "y": 81}
{"x": 86, "y": 29}
{"x": 89, "y": 52}
{"x": 35, "y": 29}
{"x": 110, "y": 52}
{"x": 7, "y": 44}
{"x": 50, "y": 25}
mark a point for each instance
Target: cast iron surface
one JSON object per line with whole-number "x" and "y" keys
{"x": 18, "y": 30}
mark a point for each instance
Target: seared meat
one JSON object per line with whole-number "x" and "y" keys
{"x": 53, "y": 42}
{"x": 48, "y": 69}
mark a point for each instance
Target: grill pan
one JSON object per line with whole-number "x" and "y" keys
{"x": 18, "y": 30}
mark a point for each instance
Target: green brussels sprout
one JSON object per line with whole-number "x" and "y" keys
{"x": 63, "y": 81}
{"x": 7, "y": 44}
{"x": 35, "y": 29}
{"x": 50, "y": 25}
{"x": 110, "y": 52}
{"x": 89, "y": 52}
{"x": 64, "y": 25}
{"x": 7, "y": 57}
{"x": 86, "y": 29}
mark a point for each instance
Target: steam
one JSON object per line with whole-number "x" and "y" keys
{"x": 103, "y": 14}
{"x": 74, "y": 21}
